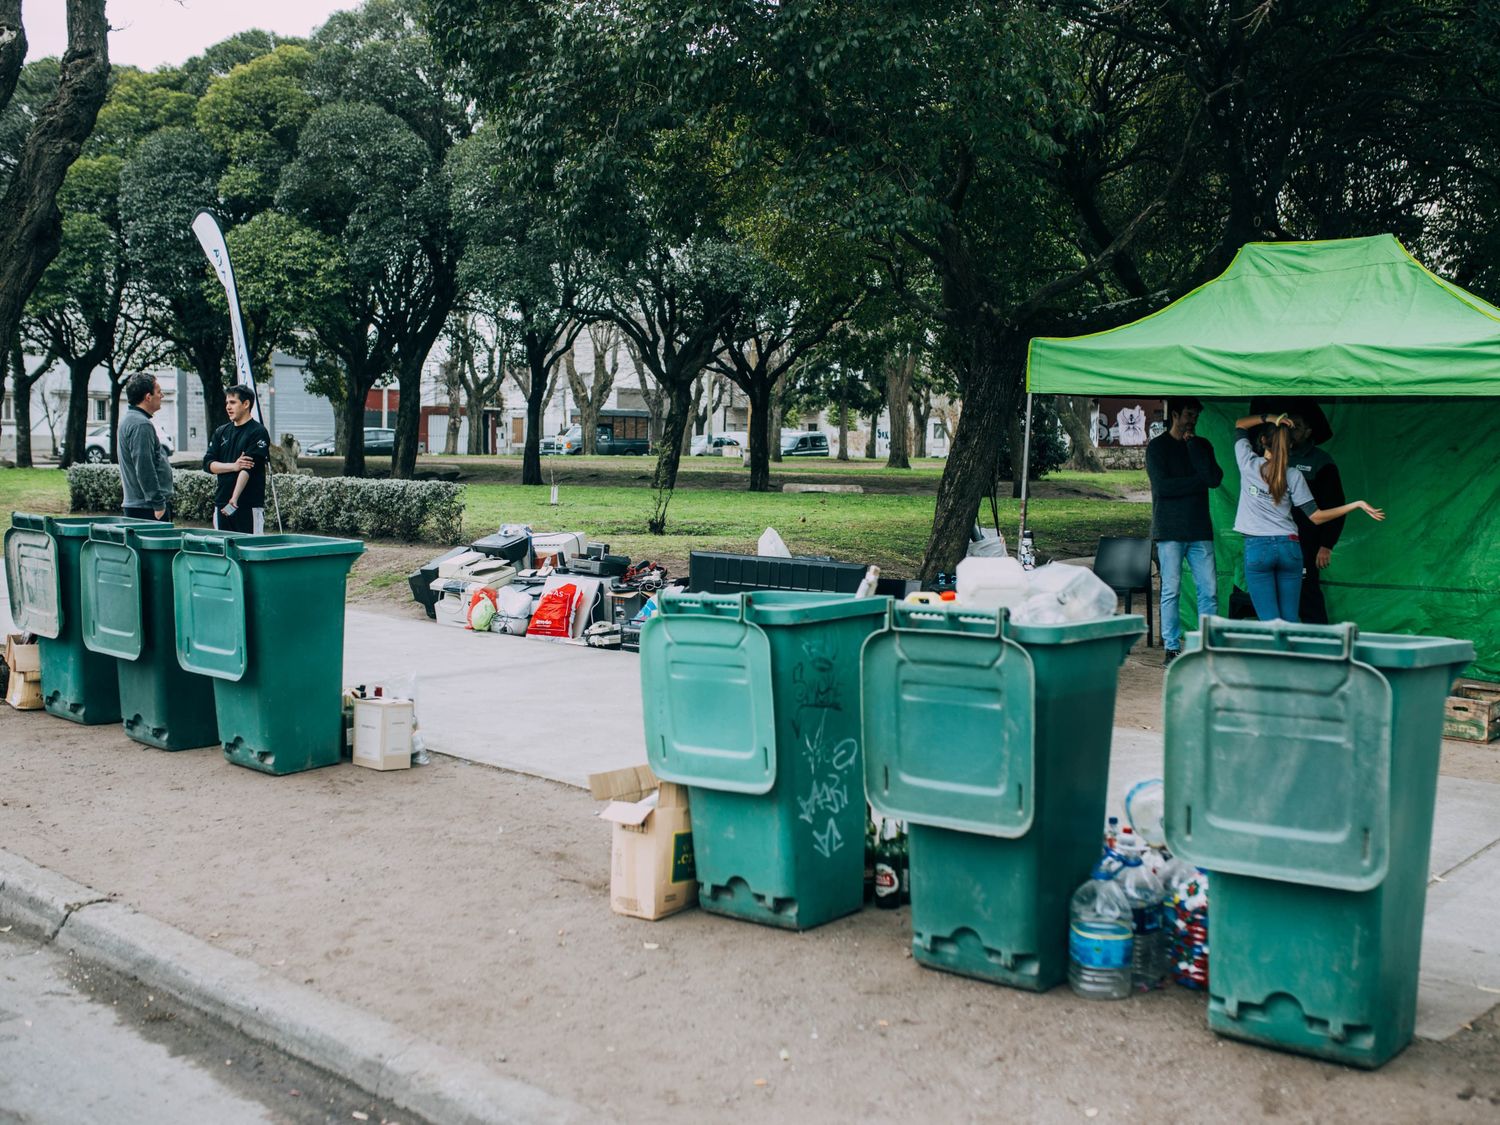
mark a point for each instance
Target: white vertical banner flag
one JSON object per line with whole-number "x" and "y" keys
{"x": 211, "y": 238}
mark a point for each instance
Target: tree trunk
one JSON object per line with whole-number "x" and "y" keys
{"x": 759, "y": 436}
{"x": 899, "y": 370}
{"x": 921, "y": 415}
{"x": 76, "y": 429}
{"x": 354, "y": 426}
{"x": 536, "y": 401}
{"x": 777, "y": 418}
{"x": 12, "y": 50}
{"x": 1077, "y": 419}
{"x": 664, "y": 480}
{"x": 972, "y": 453}
{"x": 408, "y": 423}
{"x": 22, "y": 396}
{"x": 874, "y": 439}
{"x": 843, "y": 432}
{"x": 30, "y": 223}
{"x": 453, "y": 384}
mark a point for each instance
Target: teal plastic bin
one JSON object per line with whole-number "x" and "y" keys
{"x": 752, "y": 701}
{"x": 42, "y": 573}
{"x": 263, "y": 616}
{"x": 991, "y": 741}
{"x": 128, "y": 613}
{"x": 1301, "y": 770}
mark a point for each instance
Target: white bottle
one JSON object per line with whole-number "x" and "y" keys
{"x": 1144, "y": 893}
{"x": 990, "y": 583}
{"x": 1100, "y": 939}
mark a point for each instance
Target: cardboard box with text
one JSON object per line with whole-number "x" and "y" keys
{"x": 651, "y": 870}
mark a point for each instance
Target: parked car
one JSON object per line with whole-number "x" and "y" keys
{"x": 705, "y": 445}
{"x": 96, "y": 445}
{"x": 570, "y": 441}
{"x": 379, "y": 442}
{"x": 811, "y": 444}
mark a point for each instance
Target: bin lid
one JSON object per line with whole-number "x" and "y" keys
{"x": 1278, "y": 755}
{"x": 208, "y": 596}
{"x": 80, "y": 527}
{"x": 109, "y": 590}
{"x": 706, "y": 678}
{"x": 32, "y": 577}
{"x": 949, "y": 721}
{"x": 274, "y": 548}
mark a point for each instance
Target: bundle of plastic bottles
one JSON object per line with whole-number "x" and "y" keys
{"x": 1141, "y": 914}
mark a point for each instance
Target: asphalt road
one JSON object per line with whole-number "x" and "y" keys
{"x": 79, "y": 1044}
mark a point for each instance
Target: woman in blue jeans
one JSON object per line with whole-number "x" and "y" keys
{"x": 1269, "y": 487}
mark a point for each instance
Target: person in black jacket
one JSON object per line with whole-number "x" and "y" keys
{"x": 241, "y": 445}
{"x": 1317, "y": 540}
{"x": 1183, "y": 472}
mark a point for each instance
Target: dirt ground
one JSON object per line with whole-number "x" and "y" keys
{"x": 469, "y": 904}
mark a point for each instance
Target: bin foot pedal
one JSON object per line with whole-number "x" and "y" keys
{"x": 1281, "y": 1021}
{"x": 965, "y": 953}
{"x": 735, "y": 898}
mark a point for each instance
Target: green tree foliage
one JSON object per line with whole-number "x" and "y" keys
{"x": 172, "y": 175}
{"x": 252, "y": 117}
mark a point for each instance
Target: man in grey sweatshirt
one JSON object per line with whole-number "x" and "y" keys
{"x": 145, "y": 475}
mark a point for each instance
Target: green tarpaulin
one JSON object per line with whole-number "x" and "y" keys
{"x": 1354, "y": 323}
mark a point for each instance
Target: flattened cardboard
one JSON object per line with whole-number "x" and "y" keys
{"x": 629, "y": 784}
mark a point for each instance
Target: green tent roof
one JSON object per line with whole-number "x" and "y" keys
{"x": 1357, "y": 316}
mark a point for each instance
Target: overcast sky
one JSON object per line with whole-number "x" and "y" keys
{"x": 150, "y": 33}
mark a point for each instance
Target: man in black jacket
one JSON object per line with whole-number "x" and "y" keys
{"x": 1317, "y": 540}
{"x": 1183, "y": 472}
{"x": 241, "y": 445}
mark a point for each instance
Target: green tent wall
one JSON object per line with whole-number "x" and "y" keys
{"x": 1407, "y": 367}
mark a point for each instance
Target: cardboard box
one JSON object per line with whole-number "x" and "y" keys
{"x": 23, "y": 690}
{"x": 651, "y": 871}
{"x": 22, "y": 657}
{"x": 382, "y": 733}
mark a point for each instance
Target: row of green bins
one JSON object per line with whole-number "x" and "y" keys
{"x": 263, "y": 616}
{"x": 992, "y": 741}
{"x": 1301, "y": 769}
{"x": 42, "y": 572}
{"x": 128, "y": 614}
{"x": 752, "y": 701}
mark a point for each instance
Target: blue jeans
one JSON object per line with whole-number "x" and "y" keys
{"x": 1200, "y": 557}
{"x": 1273, "y": 572}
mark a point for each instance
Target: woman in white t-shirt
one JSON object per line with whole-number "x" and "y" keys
{"x": 1269, "y": 487}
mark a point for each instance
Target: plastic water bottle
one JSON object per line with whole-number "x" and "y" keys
{"x": 1101, "y": 939}
{"x": 1111, "y": 833}
{"x": 989, "y": 583}
{"x": 1143, "y": 891}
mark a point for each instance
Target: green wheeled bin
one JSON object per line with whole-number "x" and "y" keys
{"x": 991, "y": 741}
{"x": 752, "y": 701}
{"x": 42, "y": 573}
{"x": 263, "y": 615}
{"x": 128, "y": 613}
{"x": 1301, "y": 770}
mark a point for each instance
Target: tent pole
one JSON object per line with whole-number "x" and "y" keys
{"x": 1025, "y": 471}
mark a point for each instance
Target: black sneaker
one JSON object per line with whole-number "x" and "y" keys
{"x": 1169, "y": 655}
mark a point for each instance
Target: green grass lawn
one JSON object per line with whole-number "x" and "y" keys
{"x": 889, "y": 529}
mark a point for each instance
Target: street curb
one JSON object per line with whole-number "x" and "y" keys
{"x": 376, "y": 1056}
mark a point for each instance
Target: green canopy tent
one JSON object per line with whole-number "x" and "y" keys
{"x": 1407, "y": 368}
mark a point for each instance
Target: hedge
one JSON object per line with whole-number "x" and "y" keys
{"x": 412, "y": 511}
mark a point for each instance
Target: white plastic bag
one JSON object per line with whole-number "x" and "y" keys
{"x": 771, "y": 545}
{"x": 1059, "y": 593}
{"x": 990, "y": 545}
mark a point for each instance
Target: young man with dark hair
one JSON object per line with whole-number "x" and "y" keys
{"x": 238, "y": 454}
{"x": 145, "y": 474}
{"x": 1183, "y": 471}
